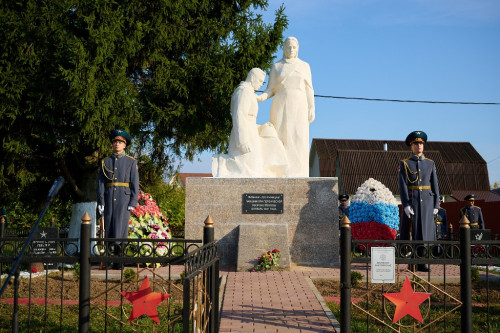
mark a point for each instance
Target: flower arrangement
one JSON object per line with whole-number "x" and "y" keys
{"x": 148, "y": 222}
{"x": 374, "y": 212}
{"x": 268, "y": 260}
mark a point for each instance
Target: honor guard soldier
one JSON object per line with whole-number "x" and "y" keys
{"x": 343, "y": 207}
{"x": 473, "y": 213}
{"x": 441, "y": 221}
{"x": 419, "y": 191}
{"x": 118, "y": 188}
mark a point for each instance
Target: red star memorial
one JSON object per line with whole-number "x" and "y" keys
{"x": 144, "y": 301}
{"x": 407, "y": 302}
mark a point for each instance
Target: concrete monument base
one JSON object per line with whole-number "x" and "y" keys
{"x": 306, "y": 230}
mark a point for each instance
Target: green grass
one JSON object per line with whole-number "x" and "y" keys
{"x": 453, "y": 319}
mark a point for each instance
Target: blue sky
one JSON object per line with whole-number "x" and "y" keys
{"x": 432, "y": 50}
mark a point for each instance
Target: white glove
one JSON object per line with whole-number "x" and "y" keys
{"x": 100, "y": 209}
{"x": 409, "y": 211}
{"x": 130, "y": 208}
{"x": 435, "y": 211}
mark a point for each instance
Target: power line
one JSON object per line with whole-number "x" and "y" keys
{"x": 496, "y": 158}
{"x": 404, "y": 100}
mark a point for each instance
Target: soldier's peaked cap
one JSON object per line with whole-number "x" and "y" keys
{"x": 119, "y": 134}
{"x": 416, "y": 136}
{"x": 470, "y": 197}
{"x": 343, "y": 197}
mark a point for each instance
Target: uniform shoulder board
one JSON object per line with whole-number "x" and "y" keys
{"x": 429, "y": 159}
{"x": 130, "y": 157}
{"x": 405, "y": 159}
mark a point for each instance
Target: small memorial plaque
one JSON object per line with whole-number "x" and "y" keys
{"x": 383, "y": 264}
{"x": 262, "y": 203}
{"x": 43, "y": 247}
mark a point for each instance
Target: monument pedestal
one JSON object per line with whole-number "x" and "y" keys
{"x": 305, "y": 231}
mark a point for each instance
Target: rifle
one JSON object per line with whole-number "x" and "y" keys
{"x": 410, "y": 220}
{"x": 438, "y": 223}
{"x": 101, "y": 235}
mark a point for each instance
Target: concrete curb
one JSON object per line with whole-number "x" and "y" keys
{"x": 321, "y": 300}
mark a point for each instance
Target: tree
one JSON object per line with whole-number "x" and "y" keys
{"x": 71, "y": 71}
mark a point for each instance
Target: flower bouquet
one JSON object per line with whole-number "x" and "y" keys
{"x": 148, "y": 222}
{"x": 374, "y": 212}
{"x": 268, "y": 260}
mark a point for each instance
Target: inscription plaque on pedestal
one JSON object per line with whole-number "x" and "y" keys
{"x": 262, "y": 203}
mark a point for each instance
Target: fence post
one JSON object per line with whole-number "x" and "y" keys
{"x": 15, "y": 316}
{"x": 208, "y": 237}
{"x": 186, "y": 296}
{"x": 216, "y": 300}
{"x": 465, "y": 275}
{"x": 208, "y": 230}
{"x": 345, "y": 275}
{"x": 84, "y": 308}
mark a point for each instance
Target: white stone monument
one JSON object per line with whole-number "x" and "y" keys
{"x": 261, "y": 197}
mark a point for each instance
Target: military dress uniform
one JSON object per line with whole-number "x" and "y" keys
{"x": 343, "y": 210}
{"x": 118, "y": 189}
{"x": 418, "y": 188}
{"x": 474, "y": 215}
{"x": 441, "y": 224}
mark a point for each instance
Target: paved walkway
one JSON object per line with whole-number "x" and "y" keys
{"x": 272, "y": 302}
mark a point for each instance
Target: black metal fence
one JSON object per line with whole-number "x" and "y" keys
{"x": 105, "y": 272}
{"x": 411, "y": 254}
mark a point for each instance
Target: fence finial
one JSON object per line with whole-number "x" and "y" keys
{"x": 346, "y": 222}
{"x": 464, "y": 222}
{"x": 209, "y": 223}
{"x": 86, "y": 218}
